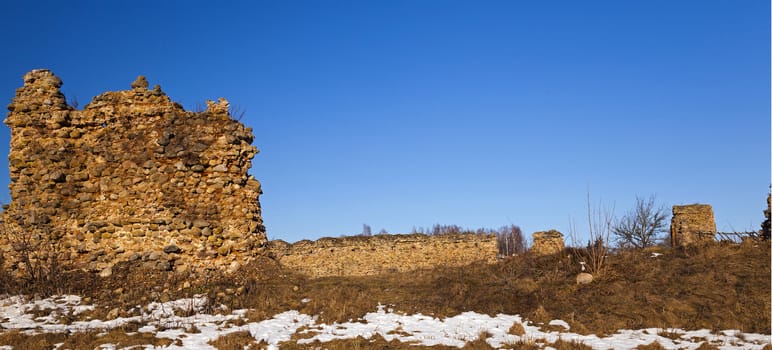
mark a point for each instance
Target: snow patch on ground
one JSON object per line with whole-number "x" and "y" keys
{"x": 176, "y": 320}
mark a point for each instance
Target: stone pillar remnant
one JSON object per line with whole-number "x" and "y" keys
{"x": 692, "y": 224}
{"x": 547, "y": 242}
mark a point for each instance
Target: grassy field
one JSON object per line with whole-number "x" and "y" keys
{"x": 719, "y": 286}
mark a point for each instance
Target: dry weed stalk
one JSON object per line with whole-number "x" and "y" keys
{"x": 600, "y": 221}
{"x": 37, "y": 253}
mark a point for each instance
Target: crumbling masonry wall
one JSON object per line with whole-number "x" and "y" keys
{"x": 547, "y": 242}
{"x": 692, "y": 224}
{"x": 131, "y": 176}
{"x": 363, "y": 256}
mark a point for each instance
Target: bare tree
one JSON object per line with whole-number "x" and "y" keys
{"x": 510, "y": 240}
{"x": 438, "y": 229}
{"x": 366, "y": 231}
{"x": 640, "y": 227}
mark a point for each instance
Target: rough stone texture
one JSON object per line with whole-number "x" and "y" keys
{"x": 692, "y": 224}
{"x": 132, "y": 176}
{"x": 362, "y": 256}
{"x": 547, "y": 242}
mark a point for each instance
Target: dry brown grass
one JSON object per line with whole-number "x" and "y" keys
{"x": 716, "y": 287}
{"x": 117, "y": 337}
{"x": 652, "y": 346}
{"x": 569, "y": 345}
{"x": 708, "y": 346}
{"x": 377, "y": 342}
{"x": 20, "y": 340}
{"x": 77, "y": 341}
{"x": 240, "y": 340}
{"x": 559, "y": 345}
{"x": 517, "y": 329}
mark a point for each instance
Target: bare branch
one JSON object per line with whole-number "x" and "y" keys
{"x": 639, "y": 228}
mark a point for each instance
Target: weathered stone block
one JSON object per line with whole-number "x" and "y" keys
{"x": 692, "y": 224}
{"x": 547, "y": 242}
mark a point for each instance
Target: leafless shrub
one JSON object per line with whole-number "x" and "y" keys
{"x": 36, "y": 252}
{"x": 639, "y": 228}
{"x": 236, "y": 112}
{"x": 600, "y": 220}
{"x": 6, "y": 278}
{"x": 199, "y": 108}
{"x": 73, "y": 102}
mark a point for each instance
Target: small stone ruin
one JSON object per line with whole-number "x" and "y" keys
{"x": 132, "y": 176}
{"x": 764, "y": 233}
{"x": 547, "y": 242}
{"x": 692, "y": 224}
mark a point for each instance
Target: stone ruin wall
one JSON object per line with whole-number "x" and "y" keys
{"x": 547, "y": 242}
{"x": 765, "y": 225}
{"x": 692, "y": 224}
{"x": 132, "y": 176}
{"x": 363, "y": 256}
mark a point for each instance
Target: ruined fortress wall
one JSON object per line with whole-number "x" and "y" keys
{"x": 692, "y": 224}
{"x": 132, "y": 175}
{"x": 362, "y": 256}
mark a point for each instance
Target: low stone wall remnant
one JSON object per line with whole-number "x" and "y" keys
{"x": 363, "y": 256}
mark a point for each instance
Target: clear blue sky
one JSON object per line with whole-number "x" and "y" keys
{"x": 410, "y": 113}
